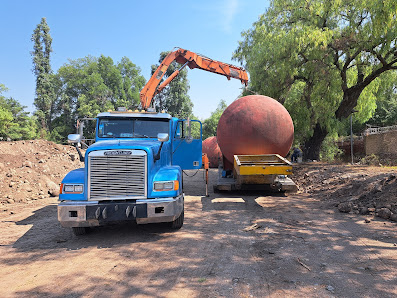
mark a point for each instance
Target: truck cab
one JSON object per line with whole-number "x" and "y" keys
{"x": 133, "y": 172}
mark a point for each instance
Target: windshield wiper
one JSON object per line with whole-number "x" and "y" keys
{"x": 109, "y": 135}
{"x": 140, "y": 136}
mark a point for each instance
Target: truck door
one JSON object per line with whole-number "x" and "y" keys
{"x": 187, "y": 145}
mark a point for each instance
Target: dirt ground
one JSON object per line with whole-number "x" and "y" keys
{"x": 241, "y": 244}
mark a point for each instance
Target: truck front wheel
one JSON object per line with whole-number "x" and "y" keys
{"x": 178, "y": 223}
{"x": 79, "y": 230}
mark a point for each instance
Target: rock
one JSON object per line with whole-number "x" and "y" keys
{"x": 53, "y": 188}
{"x": 12, "y": 183}
{"x": 10, "y": 201}
{"x": 41, "y": 161}
{"x": 9, "y": 175}
{"x": 384, "y": 213}
{"x": 367, "y": 220}
{"x": 72, "y": 157}
{"x": 345, "y": 207}
{"x": 330, "y": 288}
{"x": 27, "y": 164}
{"x": 377, "y": 188}
{"x": 393, "y": 217}
{"x": 372, "y": 209}
{"x": 388, "y": 206}
{"x": 364, "y": 210}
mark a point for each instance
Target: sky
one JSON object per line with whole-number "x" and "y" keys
{"x": 139, "y": 30}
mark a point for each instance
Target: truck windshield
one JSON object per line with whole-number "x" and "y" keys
{"x": 131, "y": 127}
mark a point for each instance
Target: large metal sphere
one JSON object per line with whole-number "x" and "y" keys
{"x": 211, "y": 148}
{"x": 255, "y": 124}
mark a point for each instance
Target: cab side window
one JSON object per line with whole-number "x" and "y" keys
{"x": 179, "y": 133}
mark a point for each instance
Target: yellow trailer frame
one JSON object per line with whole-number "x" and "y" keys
{"x": 257, "y": 172}
{"x": 266, "y": 164}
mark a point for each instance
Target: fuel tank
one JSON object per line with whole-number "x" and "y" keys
{"x": 211, "y": 148}
{"x": 253, "y": 125}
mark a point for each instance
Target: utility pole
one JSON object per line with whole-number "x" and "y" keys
{"x": 351, "y": 134}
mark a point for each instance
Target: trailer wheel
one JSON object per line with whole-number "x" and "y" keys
{"x": 79, "y": 230}
{"x": 178, "y": 223}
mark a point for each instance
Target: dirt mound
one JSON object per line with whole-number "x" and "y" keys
{"x": 357, "y": 189}
{"x": 32, "y": 170}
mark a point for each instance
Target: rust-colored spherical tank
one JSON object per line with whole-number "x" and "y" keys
{"x": 211, "y": 148}
{"x": 255, "y": 124}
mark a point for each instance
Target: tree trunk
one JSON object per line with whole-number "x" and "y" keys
{"x": 311, "y": 148}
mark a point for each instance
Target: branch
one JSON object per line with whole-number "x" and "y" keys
{"x": 336, "y": 57}
{"x": 376, "y": 73}
{"x": 378, "y": 56}
{"x": 344, "y": 69}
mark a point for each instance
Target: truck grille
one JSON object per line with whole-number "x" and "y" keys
{"x": 117, "y": 176}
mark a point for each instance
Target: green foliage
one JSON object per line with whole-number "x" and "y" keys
{"x": 210, "y": 125}
{"x": 5, "y": 122}
{"x": 370, "y": 160}
{"x": 195, "y": 128}
{"x": 386, "y": 111}
{"x": 15, "y": 123}
{"x": 174, "y": 98}
{"x": 329, "y": 149}
{"x": 88, "y": 86}
{"x": 321, "y": 59}
{"x": 45, "y": 93}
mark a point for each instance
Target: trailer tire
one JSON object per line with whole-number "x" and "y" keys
{"x": 178, "y": 223}
{"x": 79, "y": 230}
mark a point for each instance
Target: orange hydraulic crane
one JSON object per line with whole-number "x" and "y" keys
{"x": 193, "y": 60}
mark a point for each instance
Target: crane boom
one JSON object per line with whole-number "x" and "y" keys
{"x": 193, "y": 60}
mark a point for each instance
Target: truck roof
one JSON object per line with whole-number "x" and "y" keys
{"x": 129, "y": 114}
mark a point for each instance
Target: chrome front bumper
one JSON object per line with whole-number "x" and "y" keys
{"x": 94, "y": 213}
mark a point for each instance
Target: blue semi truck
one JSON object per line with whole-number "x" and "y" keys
{"x": 133, "y": 172}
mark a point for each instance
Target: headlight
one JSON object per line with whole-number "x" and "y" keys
{"x": 73, "y": 188}
{"x": 78, "y": 188}
{"x": 166, "y": 185}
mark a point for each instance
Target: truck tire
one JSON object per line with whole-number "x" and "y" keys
{"x": 178, "y": 223}
{"x": 79, "y": 230}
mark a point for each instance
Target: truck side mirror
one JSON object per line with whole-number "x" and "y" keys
{"x": 163, "y": 137}
{"x": 74, "y": 138}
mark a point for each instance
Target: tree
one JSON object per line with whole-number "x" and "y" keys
{"x": 90, "y": 85}
{"x": 174, "y": 98}
{"x": 131, "y": 80}
{"x": 210, "y": 125}
{"x": 386, "y": 110}
{"x": 15, "y": 123}
{"x": 322, "y": 60}
{"x": 45, "y": 93}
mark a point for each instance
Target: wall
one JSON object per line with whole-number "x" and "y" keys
{"x": 381, "y": 144}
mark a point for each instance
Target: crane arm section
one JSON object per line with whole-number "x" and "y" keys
{"x": 193, "y": 60}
